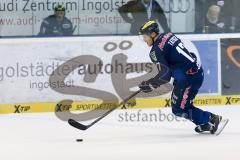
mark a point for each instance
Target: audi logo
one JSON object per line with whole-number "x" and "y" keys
{"x": 175, "y": 6}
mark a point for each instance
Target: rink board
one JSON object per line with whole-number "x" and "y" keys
{"x": 24, "y": 85}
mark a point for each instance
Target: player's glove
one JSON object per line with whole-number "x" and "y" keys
{"x": 148, "y": 86}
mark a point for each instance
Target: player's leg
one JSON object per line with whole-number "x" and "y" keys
{"x": 182, "y": 105}
{"x": 181, "y": 101}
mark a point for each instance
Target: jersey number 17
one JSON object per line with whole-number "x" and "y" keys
{"x": 180, "y": 48}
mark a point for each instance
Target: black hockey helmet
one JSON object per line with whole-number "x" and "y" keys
{"x": 149, "y": 27}
{"x": 59, "y": 7}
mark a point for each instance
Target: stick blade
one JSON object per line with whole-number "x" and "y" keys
{"x": 77, "y": 125}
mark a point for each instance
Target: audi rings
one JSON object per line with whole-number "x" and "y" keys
{"x": 176, "y": 6}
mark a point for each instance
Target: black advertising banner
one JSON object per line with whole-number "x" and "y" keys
{"x": 230, "y": 55}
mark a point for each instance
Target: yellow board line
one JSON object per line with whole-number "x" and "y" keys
{"x": 40, "y": 107}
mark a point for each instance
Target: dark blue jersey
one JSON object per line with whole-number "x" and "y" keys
{"x": 52, "y": 27}
{"x": 175, "y": 60}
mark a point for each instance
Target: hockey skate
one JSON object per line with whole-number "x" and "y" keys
{"x": 214, "y": 126}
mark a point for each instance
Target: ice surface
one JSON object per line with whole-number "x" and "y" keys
{"x": 45, "y": 137}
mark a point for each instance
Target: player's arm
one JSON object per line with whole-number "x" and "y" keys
{"x": 161, "y": 17}
{"x": 44, "y": 28}
{"x": 125, "y": 9}
{"x": 163, "y": 76}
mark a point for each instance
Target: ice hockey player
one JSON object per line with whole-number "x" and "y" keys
{"x": 174, "y": 60}
{"x": 57, "y": 24}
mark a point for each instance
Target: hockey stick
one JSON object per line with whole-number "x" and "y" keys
{"x": 80, "y": 126}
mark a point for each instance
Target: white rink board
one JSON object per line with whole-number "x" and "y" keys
{"x": 26, "y": 57}
{"x": 48, "y": 51}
